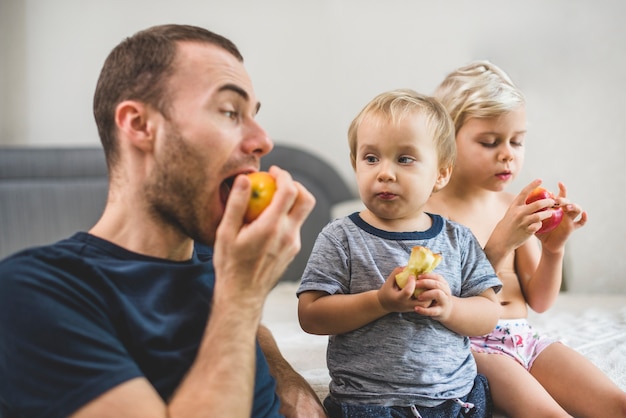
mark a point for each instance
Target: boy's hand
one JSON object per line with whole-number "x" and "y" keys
{"x": 394, "y": 299}
{"x": 436, "y": 299}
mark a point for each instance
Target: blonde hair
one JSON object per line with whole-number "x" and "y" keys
{"x": 479, "y": 89}
{"x": 393, "y": 106}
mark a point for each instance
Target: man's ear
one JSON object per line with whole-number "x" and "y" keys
{"x": 133, "y": 119}
{"x": 443, "y": 178}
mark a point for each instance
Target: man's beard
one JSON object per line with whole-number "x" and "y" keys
{"x": 175, "y": 185}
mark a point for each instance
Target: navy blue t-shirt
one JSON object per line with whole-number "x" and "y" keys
{"x": 82, "y": 316}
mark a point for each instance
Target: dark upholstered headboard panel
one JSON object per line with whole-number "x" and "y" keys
{"x": 47, "y": 194}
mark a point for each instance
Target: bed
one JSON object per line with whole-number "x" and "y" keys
{"x": 48, "y": 193}
{"x": 595, "y": 325}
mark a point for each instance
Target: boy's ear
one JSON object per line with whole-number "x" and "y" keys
{"x": 133, "y": 120}
{"x": 443, "y": 178}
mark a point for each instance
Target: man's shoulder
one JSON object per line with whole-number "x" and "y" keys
{"x": 65, "y": 250}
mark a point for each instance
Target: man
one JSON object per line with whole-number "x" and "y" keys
{"x": 128, "y": 320}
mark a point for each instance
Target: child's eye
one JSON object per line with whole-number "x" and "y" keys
{"x": 370, "y": 159}
{"x": 489, "y": 144}
{"x": 517, "y": 144}
{"x": 405, "y": 160}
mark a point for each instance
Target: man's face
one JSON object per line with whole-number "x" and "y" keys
{"x": 209, "y": 136}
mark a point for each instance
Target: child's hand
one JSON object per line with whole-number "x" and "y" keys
{"x": 394, "y": 299}
{"x": 573, "y": 218}
{"x": 436, "y": 300}
{"x": 520, "y": 221}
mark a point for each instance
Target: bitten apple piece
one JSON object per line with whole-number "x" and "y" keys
{"x": 422, "y": 260}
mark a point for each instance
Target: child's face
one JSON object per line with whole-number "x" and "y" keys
{"x": 490, "y": 151}
{"x": 396, "y": 166}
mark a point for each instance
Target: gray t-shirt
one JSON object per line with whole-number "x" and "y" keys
{"x": 400, "y": 359}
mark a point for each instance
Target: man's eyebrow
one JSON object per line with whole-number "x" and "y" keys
{"x": 241, "y": 92}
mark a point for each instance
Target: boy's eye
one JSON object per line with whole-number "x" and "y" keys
{"x": 370, "y": 159}
{"x": 405, "y": 160}
{"x": 489, "y": 144}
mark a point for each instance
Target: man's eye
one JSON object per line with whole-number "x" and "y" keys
{"x": 231, "y": 114}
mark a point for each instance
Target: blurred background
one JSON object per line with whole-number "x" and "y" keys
{"x": 315, "y": 64}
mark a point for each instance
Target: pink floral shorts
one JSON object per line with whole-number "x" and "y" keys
{"x": 515, "y": 338}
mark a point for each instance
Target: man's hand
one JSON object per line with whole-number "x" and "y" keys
{"x": 250, "y": 257}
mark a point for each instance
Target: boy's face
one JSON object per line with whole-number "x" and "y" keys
{"x": 490, "y": 151}
{"x": 396, "y": 166}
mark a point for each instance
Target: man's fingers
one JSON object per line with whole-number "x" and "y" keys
{"x": 304, "y": 203}
{"x": 237, "y": 201}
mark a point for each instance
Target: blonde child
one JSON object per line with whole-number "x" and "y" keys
{"x": 390, "y": 353}
{"x": 530, "y": 375}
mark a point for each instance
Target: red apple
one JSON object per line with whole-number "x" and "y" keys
{"x": 552, "y": 222}
{"x": 263, "y": 188}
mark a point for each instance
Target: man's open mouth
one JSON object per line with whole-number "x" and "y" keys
{"x": 225, "y": 188}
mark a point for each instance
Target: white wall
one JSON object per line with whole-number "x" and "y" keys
{"x": 316, "y": 63}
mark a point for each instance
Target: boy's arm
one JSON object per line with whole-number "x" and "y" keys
{"x": 323, "y": 314}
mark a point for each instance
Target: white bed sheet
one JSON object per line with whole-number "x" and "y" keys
{"x": 595, "y": 325}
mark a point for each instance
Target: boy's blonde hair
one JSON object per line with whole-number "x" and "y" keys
{"x": 393, "y": 106}
{"x": 479, "y": 89}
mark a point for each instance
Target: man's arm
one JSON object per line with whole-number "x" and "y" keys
{"x": 297, "y": 397}
{"x": 248, "y": 260}
{"x": 211, "y": 388}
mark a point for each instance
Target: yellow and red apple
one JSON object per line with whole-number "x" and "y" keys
{"x": 553, "y": 221}
{"x": 263, "y": 188}
{"x": 422, "y": 260}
